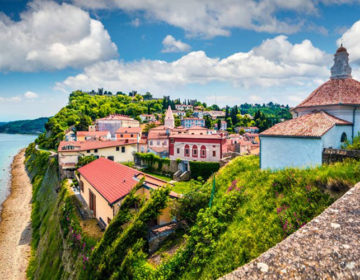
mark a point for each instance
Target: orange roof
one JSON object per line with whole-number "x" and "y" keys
{"x": 92, "y": 133}
{"x": 77, "y": 146}
{"x": 197, "y": 128}
{"x": 116, "y": 117}
{"x": 334, "y": 92}
{"x": 311, "y": 125}
{"x": 114, "y": 180}
{"x": 129, "y": 130}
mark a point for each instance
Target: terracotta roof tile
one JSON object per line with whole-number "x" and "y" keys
{"x": 89, "y": 145}
{"x": 129, "y": 130}
{"x": 92, "y": 133}
{"x": 336, "y": 91}
{"x": 311, "y": 125}
{"x": 114, "y": 180}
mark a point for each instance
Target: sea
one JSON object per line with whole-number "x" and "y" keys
{"x": 10, "y": 145}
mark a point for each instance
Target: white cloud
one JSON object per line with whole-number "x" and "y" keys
{"x": 351, "y": 40}
{"x": 213, "y": 17}
{"x": 52, "y": 36}
{"x": 276, "y": 62}
{"x": 14, "y": 99}
{"x": 172, "y": 45}
{"x": 135, "y": 22}
{"x": 30, "y": 95}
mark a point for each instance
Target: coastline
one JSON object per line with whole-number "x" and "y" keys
{"x": 15, "y": 224}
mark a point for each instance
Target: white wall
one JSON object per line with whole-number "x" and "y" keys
{"x": 281, "y": 152}
{"x": 332, "y": 138}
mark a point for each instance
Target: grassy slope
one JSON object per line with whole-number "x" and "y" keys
{"x": 274, "y": 204}
{"x": 257, "y": 226}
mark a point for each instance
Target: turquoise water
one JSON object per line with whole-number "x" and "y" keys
{"x": 10, "y": 145}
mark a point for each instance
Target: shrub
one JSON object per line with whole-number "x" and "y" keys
{"x": 203, "y": 169}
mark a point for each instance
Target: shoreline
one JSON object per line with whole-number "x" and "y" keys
{"x": 15, "y": 223}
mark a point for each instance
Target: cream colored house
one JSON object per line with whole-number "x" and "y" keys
{"x": 69, "y": 153}
{"x": 104, "y": 184}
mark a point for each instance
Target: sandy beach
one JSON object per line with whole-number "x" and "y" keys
{"x": 15, "y": 227}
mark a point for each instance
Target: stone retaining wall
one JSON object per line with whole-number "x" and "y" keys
{"x": 328, "y": 247}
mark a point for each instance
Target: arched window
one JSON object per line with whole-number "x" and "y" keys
{"x": 187, "y": 151}
{"x": 343, "y": 137}
{"x": 203, "y": 151}
{"x": 194, "y": 151}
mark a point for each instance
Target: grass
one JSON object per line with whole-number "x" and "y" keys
{"x": 185, "y": 187}
{"x": 162, "y": 177}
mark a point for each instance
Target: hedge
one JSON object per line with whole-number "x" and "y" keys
{"x": 203, "y": 169}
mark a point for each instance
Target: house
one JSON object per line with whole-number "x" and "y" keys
{"x": 113, "y": 122}
{"x": 147, "y": 118}
{"x": 251, "y": 129}
{"x": 198, "y": 114}
{"x": 189, "y": 147}
{"x": 93, "y": 136}
{"x": 129, "y": 134}
{"x": 190, "y": 122}
{"x": 179, "y": 113}
{"x": 214, "y": 114}
{"x": 158, "y": 141}
{"x": 183, "y": 107}
{"x": 325, "y": 119}
{"x": 70, "y": 135}
{"x": 69, "y": 153}
{"x": 223, "y": 125}
{"x": 104, "y": 184}
{"x": 252, "y": 137}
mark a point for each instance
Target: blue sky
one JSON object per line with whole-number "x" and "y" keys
{"x": 228, "y": 52}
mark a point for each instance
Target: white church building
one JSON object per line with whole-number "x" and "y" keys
{"x": 328, "y": 117}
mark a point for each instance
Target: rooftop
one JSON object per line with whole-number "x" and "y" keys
{"x": 114, "y": 180}
{"x": 92, "y": 133}
{"x": 129, "y": 130}
{"x": 334, "y": 92}
{"x": 116, "y": 117}
{"x": 314, "y": 124}
{"x": 77, "y": 146}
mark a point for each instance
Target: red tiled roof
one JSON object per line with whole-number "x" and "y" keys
{"x": 129, "y": 130}
{"x": 197, "y": 128}
{"x": 92, "y": 133}
{"x": 114, "y": 180}
{"x": 116, "y": 117}
{"x": 336, "y": 91}
{"x": 311, "y": 125}
{"x": 89, "y": 145}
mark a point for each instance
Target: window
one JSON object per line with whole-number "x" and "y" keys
{"x": 187, "y": 151}
{"x": 214, "y": 153}
{"x": 203, "y": 151}
{"x": 96, "y": 150}
{"x": 151, "y": 142}
{"x": 343, "y": 137}
{"x": 178, "y": 150}
{"x": 111, "y": 158}
{"x": 117, "y": 149}
{"x": 131, "y": 135}
{"x": 194, "y": 151}
{"x": 121, "y": 135}
{"x": 109, "y": 220}
{"x": 81, "y": 184}
{"x": 158, "y": 142}
{"x": 88, "y": 151}
{"x": 123, "y": 149}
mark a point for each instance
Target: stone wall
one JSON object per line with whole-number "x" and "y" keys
{"x": 328, "y": 247}
{"x": 335, "y": 155}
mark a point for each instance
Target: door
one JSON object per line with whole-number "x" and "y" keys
{"x": 92, "y": 202}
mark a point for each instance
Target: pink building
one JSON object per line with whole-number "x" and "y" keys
{"x": 197, "y": 147}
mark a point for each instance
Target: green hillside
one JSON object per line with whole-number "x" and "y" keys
{"x": 36, "y": 126}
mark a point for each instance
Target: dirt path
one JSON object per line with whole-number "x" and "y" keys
{"x": 15, "y": 227}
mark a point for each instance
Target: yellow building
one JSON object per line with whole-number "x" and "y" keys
{"x": 69, "y": 153}
{"x": 104, "y": 184}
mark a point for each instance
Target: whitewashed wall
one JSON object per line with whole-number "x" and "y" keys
{"x": 281, "y": 152}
